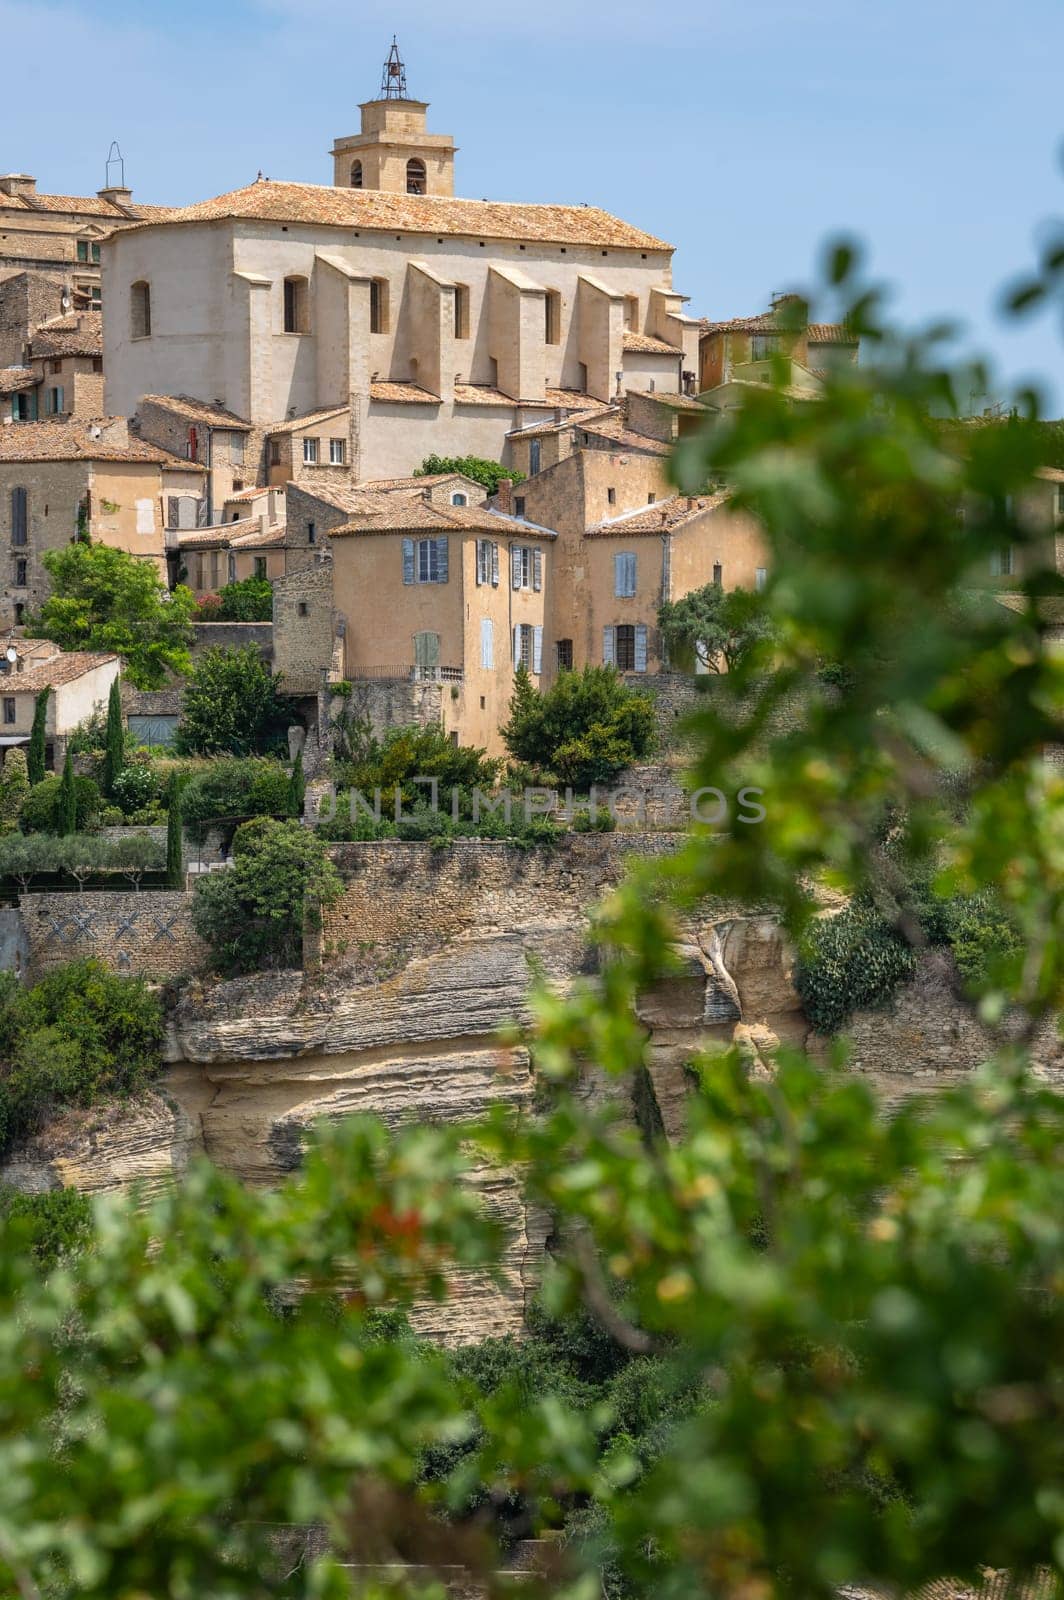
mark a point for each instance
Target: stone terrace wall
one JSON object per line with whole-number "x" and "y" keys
{"x": 416, "y": 898}
{"x": 233, "y": 636}
{"x": 147, "y": 935}
{"x": 395, "y": 703}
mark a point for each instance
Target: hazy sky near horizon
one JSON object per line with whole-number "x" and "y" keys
{"x": 743, "y": 131}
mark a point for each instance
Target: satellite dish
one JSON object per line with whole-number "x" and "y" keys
{"x": 11, "y": 653}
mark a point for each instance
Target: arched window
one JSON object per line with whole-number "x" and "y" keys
{"x": 415, "y": 176}
{"x": 296, "y": 318}
{"x": 140, "y": 310}
{"x": 459, "y": 499}
{"x": 356, "y": 174}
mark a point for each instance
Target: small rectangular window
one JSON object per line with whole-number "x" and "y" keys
{"x": 1001, "y": 562}
{"x": 565, "y": 654}
{"x": 20, "y": 573}
{"x": 310, "y": 452}
{"x": 611, "y": 497}
{"x": 378, "y": 305}
{"x": 552, "y": 317}
{"x": 312, "y": 532}
{"x": 519, "y": 505}
{"x": 624, "y": 646}
{"x": 55, "y": 366}
{"x": 95, "y": 253}
{"x": 760, "y": 578}
{"x": 303, "y": 608}
{"x": 260, "y": 566}
{"x": 83, "y": 249}
{"x": 718, "y": 574}
{"x": 337, "y": 452}
{"x": 533, "y": 457}
{"x": 140, "y": 310}
{"x": 9, "y": 708}
{"x": 275, "y": 452}
{"x": 295, "y": 305}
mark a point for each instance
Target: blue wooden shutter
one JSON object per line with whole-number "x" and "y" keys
{"x": 487, "y": 644}
{"x": 515, "y": 567}
{"x": 481, "y": 552}
{"x": 408, "y": 560}
{"x": 640, "y": 647}
{"x": 495, "y": 565}
{"x": 618, "y": 575}
{"x": 537, "y": 649}
{"x": 441, "y": 559}
{"x": 609, "y": 646}
{"x": 517, "y": 647}
{"x": 537, "y": 570}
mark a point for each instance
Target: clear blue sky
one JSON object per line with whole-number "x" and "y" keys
{"x": 744, "y": 131}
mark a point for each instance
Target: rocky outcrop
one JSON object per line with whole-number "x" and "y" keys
{"x": 147, "y": 1142}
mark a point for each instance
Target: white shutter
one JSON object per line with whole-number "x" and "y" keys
{"x": 609, "y": 646}
{"x": 441, "y": 559}
{"x": 480, "y": 562}
{"x": 517, "y": 647}
{"x": 630, "y": 572}
{"x": 408, "y": 560}
{"x": 618, "y": 575}
{"x": 537, "y": 649}
{"x": 487, "y": 644}
{"x": 537, "y": 569}
{"x": 515, "y": 568}
{"x": 495, "y": 565}
{"x": 640, "y": 647}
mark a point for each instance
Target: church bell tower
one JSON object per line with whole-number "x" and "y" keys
{"x": 393, "y": 152}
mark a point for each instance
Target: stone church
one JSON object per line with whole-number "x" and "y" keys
{"x": 438, "y": 324}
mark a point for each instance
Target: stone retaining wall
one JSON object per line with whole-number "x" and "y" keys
{"x": 148, "y": 934}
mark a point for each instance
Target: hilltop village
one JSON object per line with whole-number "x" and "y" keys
{"x": 319, "y": 490}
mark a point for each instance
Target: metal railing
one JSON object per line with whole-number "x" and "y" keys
{"x": 411, "y": 674}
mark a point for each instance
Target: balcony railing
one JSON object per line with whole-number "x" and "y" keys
{"x": 413, "y": 674}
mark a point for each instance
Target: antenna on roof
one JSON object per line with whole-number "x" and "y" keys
{"x": 393, "y": 78}
{"x": 115, "y": 159}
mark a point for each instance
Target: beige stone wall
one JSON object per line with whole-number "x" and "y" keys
{"x": 147, "y": 935}
{"x": 303, "y": 628}
{"x": 209, "y": 346}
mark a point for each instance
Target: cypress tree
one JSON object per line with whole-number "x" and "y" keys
{"x": 175, "y": 861}
{"x": 35, "y": 753}
{"x": 297, "y": 787}
{"x": 68, "y": 799}
{"x": 115, "y": 751}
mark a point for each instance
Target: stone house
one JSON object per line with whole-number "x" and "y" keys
{"x": 449, "y": 594}
{"x": 50, "y": 249}
{"x": 61, "y": 373}
{"x": 227, "y": 447}
{"x": 61, "y": 480}
{"x": 80, "y": 681}
{"x": 746, "y": 347}
{"x": 440, "y": 324}
{"x": 314, "y": 508}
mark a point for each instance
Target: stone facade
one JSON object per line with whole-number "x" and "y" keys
{"x": 147, "y": 934}
{"x": 304, "y": 629}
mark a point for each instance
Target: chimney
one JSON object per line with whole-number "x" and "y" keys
{"x": 504, "y": 495}
{"x": 665, "y": 516}
{"x": 117, "y": 194}
{"x": 18, "y": 183}
{"x": 426, "y": 495}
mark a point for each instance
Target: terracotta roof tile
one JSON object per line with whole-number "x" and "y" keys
{"x": 184, "y": 405}
{"x": 403, "y": 394}
{"x": 267, "y": 201}
{"x": 245, "y": 495}
{"x": 670, "y": 400}
{"x": 72, "y": 441}
{"x": 664, "y": 517}
{"x": 84, "y": 205}
{"x": 648, "y": 345}
{"x": 397, "y": 514}
{"x": 613, "y": 428}
{"x": 570, "y": 399}
{"x": 78, "y": 334}
{"x": 14, "y": 378}
{"x": 311, "y": 418}
{"x": 830, "y": 333}
{"x": 60, "y": 669}
{"x": 576, "y": 419}
{"x": 482, "y": 394}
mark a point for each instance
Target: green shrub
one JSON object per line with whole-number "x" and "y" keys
{"x": 986, "y": 943}
{"x": 79, "y": 1034}
{"x": 603, "y": 821}
{"x": 850, "y": 961}
{"x": 585, "y": 729}
{"x": 48, "y": 1226}
{"x": 231, "y": 706}
{"x": 252, "y": 916}
{"x": 250, "y": 600}
{"x": 230, "y": 790}
{"x": 41, "y": 807}
{"x": 136, "y": 786}
{"x": 487, "y": 473}
{"x": 14, "y": 788}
